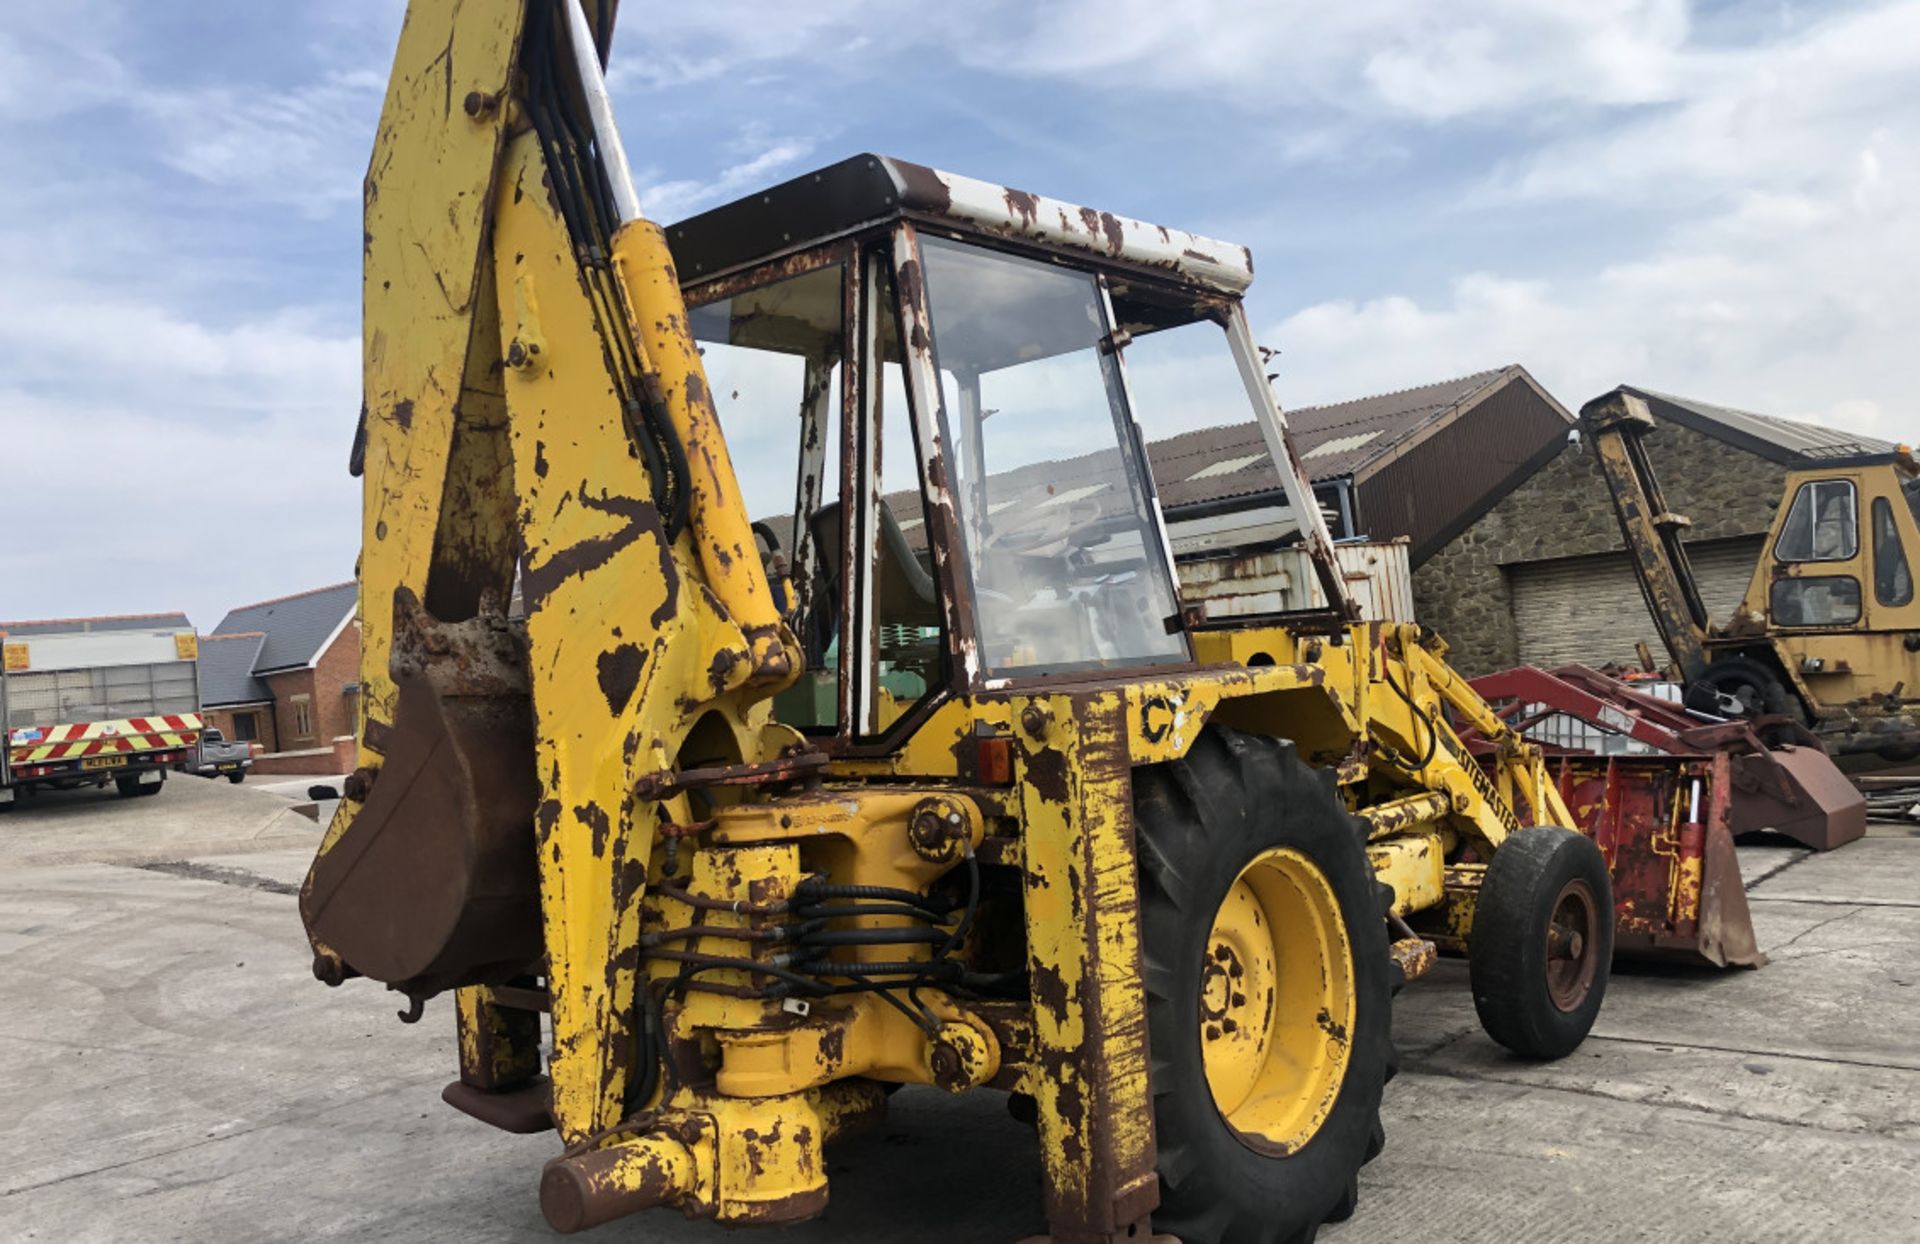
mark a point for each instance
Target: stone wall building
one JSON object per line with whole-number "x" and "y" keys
{"x": 1542, "y": 577}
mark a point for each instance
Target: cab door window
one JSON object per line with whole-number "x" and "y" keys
{"x": 774, "y": 356}
{"x": 1821, "y": 526}
{"x": 1892, "y": 579}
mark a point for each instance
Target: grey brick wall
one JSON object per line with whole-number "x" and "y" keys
{"x": 1563, "y": 511}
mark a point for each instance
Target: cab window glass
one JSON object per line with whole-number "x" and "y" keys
{"x": 1821, "y": 526}
{"x": 1892, "y": 580}
{"x": 1068, "y": 568}
{"x": 1818, "y": 600}
{"x": 773, "y": 357}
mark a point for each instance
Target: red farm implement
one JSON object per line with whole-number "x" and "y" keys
{"x": 1663, "y": 791}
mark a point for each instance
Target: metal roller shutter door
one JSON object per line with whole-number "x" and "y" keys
{"x": 1589, "y": 609}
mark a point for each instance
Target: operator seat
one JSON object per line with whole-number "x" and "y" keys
{"x": 907, "y": 596}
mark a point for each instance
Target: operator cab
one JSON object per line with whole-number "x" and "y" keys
{"x": 923, "y": 383}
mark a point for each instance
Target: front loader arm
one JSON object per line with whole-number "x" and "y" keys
{"x": 532, "y": 392}
{"x": 1488, "y": 804}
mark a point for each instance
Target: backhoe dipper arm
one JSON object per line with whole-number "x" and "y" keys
{"x": 1617, "y": 424}
{"x": 532, "y": 395}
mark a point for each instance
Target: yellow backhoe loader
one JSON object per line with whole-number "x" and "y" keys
{"x": 1828, "y": 635}
{"x": 853, "y": 735}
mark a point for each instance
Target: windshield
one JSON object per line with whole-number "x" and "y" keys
{"x": 1222, "y": 500}
{"x": 1068, "y": 568}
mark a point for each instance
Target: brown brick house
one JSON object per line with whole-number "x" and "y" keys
{"x": 285, "y": 673}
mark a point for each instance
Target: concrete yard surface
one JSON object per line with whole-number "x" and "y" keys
{"x": 174, "y": 1072}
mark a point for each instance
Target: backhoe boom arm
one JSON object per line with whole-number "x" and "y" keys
{"x": 1617, "y": 424}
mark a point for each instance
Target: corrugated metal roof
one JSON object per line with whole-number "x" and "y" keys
{"x": 1781, "y": 440}
{"x": 1333, "y": 441}
{"x": 122, "y": 622}
{"x": 1184, "y": 466}
{"x": 226, "y": 669}
{"x": 1392, "y": 417}
{"x": 295, "y": 626}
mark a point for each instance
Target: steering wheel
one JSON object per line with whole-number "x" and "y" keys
{"x": 1043, "y": 530}
{"x": 774, "y": 561}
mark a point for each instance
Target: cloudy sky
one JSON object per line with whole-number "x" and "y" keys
{"x": 1719, "y": 199}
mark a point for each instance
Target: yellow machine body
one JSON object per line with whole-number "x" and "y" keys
{"x": 591, "y": 825}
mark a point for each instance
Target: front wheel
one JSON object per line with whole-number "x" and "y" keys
{"x": 1268, "y": 991}
{"x": 1541, "y": 948}
{"x": 236, "y": 778}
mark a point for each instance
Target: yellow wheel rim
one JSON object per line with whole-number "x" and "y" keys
{"x": 1276, "y": 1002}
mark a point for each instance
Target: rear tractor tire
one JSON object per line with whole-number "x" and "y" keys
{"x": 1269, "y": 991}
{"x": 1541, "y": 949}
{"x": 1755, "y": 688}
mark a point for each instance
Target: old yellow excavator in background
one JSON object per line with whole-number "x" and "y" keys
{"x": 1828, "y": 634}
{"x": 925, "y": 777}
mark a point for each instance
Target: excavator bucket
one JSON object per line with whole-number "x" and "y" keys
{"x": 435, "y": 885}
{"x": 1665, "y": 826}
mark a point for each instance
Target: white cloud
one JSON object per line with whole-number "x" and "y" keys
{"x": 170, "y": 462}
{"x": 673, "y": 200}
{"x": 1796, "y": 307}
{"x": 1795, "y": 112}
{"x": 145, "y": 508}
{"x": 676, "y": 45}
{"x": 1789, "y": 175}
{"x": 1377, "y": 57}
{"x": 303, "y": 147}
{"x": 160, "y": 357}
{"x": 56, "y": 59}
{"x": 178, "y": 404}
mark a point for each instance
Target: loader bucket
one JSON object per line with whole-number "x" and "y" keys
{"x": 1663, "y": 824}
{"x": 1799, "y": 792}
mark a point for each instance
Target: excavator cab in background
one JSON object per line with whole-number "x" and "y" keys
{"x": 854, "y": 734}
{"x": 1828, "y": 634}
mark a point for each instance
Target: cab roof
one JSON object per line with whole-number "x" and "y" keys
{"x": 866, "y": 190}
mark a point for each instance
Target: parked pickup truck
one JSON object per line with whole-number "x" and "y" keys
{"x": 216, "y": 757}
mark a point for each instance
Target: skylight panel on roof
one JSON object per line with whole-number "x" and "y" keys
{"x": 1226, "y": 468}
{"x": 1341, "y": 444}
